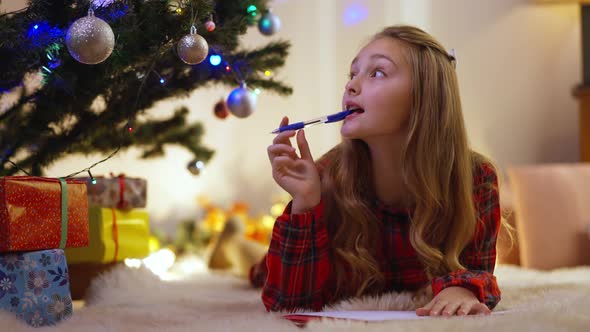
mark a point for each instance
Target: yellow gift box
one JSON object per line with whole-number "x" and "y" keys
{"x": 114, "y": 235}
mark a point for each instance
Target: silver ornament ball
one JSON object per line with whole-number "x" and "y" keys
{"x": 90, "y": 40}
{"x": 192, "y": 49}
{"x": 269, "y": 24}
{"x": 241, "y": 102}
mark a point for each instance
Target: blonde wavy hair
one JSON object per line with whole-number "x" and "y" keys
{"x": 437, "y": 168}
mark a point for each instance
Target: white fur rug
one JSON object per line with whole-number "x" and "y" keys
{"x": 136, "y": 300}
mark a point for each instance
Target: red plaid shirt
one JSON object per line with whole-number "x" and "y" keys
{"x": 295, "y": 272}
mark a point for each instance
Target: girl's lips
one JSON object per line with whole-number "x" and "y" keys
{"x": 353, "y": 115}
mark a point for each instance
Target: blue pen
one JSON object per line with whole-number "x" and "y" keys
{"x": 324, "y": 119}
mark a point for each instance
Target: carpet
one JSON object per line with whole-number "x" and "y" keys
{"x": 126, "y": 299}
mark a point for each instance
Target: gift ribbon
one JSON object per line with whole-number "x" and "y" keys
{"x": 64, "y": 213}
{"x": 122, "y": 204}
{"x": 115, "y": 235}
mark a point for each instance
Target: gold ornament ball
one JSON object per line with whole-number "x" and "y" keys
{"x": 90, "y": 40}
{"x": 192, "y": 49}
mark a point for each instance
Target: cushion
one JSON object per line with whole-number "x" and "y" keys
{"x": 552, "y": 207}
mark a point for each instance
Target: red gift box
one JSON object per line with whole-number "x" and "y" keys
{"x": 120, "y": 192}
{"x": 31, "y": 214}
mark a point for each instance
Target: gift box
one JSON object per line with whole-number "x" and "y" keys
{"x": 114, "y": 236}
{"x": 39, "y": 213}
{"x": 119, "y": 192}
{"x": 35, "y": 286}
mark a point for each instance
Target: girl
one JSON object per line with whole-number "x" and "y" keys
{"x": 402, "y": 202}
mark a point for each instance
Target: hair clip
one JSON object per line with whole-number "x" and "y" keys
{"x": 453, "y": 57}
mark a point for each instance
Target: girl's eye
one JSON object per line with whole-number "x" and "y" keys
{"x": 351, "y": 76}
{"x": 378, "y": 73}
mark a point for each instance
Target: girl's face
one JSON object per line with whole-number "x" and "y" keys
{"x": 380, "y": 85}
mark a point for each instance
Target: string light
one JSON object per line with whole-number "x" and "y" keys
{"x": 267, "y": 73}
{"x": 52, "y": 54}
{"x": 73, "y": 174}
{"x": 215, "y": 59}
{"x": 355, "y": 13}
{"x": 93, "y": 180}
{"x": 252, "y": 10}
{"x": 227, "y": 68}
{"x": 257, "y": 91}
{"x": 162, "y": 80}
{"x": 130, "y": 126}
{"x": 41, "y": 34}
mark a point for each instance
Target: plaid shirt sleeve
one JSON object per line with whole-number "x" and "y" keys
{"x": 298, "y": 262}
{"x": 479, "y": 257}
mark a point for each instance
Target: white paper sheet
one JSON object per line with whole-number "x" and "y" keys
{"x": 370, "y": 316}
{"x": 365, "y": 315}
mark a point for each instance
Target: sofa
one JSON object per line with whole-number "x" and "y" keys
{"x": 549, "y": 208}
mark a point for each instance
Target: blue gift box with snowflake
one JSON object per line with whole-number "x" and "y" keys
{"x": 35, "y": 286}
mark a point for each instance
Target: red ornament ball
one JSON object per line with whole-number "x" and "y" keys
{"x": 210, "y": 26}
{"x": 220, "y": 109}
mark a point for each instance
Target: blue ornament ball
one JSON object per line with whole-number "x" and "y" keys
{"x": 269, "y": 24}
{"x": 241, "y": 102}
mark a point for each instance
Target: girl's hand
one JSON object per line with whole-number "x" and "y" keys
{"x": 454, "y": 300}
{"x": 298, "y": 175}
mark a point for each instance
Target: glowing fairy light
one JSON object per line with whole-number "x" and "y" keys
{"x": 355, "y": 13}
{"x": 215, "y": 59}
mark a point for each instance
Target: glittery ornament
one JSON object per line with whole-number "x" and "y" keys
{"x": 195, "y": 167}
{"x": 220, "y": 109}
{"x": 192, "y": 48}
{"x": 90, "y": 40}
{"x": 269, "y": 24}
{"x": 241, "y": 102}
{"x": 210, "y": 25}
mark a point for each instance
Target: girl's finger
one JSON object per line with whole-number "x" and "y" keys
{"x": 465, "y": 308}
{"x": 438, "y": 307}
{"x": 451, "y": 309}
{"x": 284, "y": 121}
{"x": 422, "y": 312}
{"x": 480, "y": 309}
{"x": 283, "y": 138}
{"x": 425, "y": 310}
{"x": 282, "y": 162}
{"x": 280, "y": 149}
{"x": 303, "y": 146}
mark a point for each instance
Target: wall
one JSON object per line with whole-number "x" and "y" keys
{"x": 517, "y": 63}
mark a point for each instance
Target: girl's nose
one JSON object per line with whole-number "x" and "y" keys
{"x": 352, "y": 87}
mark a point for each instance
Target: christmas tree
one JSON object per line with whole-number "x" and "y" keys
{"x": 88, "y": 108}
